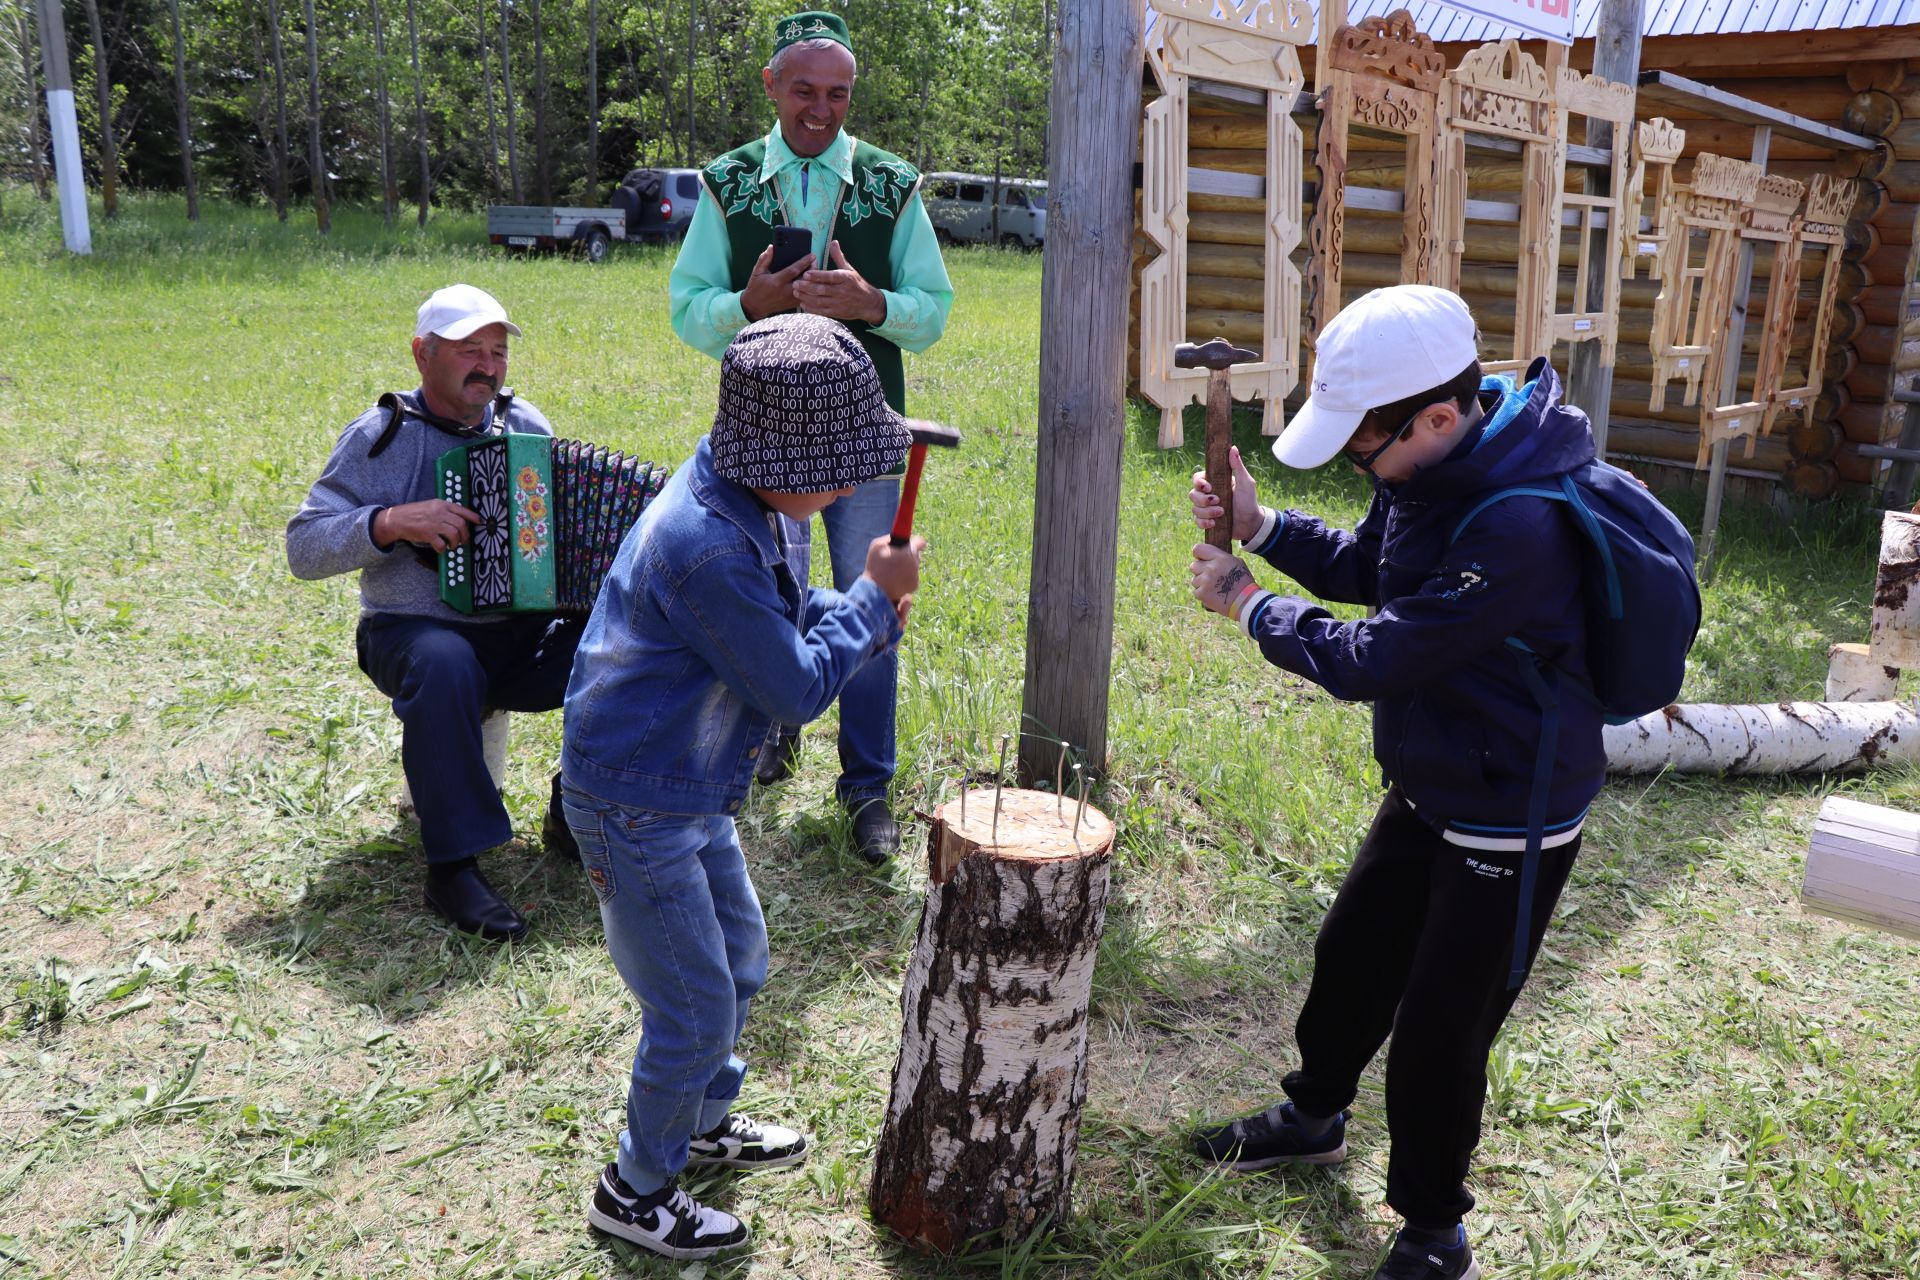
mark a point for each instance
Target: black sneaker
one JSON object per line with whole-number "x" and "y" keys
{"x": 741, "y": 1142}
{"x": 1422, "y": 1260}
{"x": 668, "y": 1222}
{"x": 1272, "y": 1137}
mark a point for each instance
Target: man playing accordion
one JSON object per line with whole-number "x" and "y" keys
{"x": 374, "y": 510}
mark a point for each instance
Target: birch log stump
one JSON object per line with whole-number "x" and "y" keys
{"x": 984, "y": 1118}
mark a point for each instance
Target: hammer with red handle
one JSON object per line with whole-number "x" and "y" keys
{"x": 1217, "y": 357}
{"x": 924, "y": 434}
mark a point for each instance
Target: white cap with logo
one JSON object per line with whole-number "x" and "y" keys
{"x": 1382, "y": 347}
{"x": 459, "y": 311}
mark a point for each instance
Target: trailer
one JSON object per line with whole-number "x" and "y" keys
{"x": 538, "y": 226}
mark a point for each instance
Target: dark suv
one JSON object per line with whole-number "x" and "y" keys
{"x": 658, "y": 202}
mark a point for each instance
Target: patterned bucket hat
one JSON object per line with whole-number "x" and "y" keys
{"x": 801, "y": 409}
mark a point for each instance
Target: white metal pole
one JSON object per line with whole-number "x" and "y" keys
{"x": 65, "y": 126}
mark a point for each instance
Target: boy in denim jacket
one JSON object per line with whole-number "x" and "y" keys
{"x": 1443, "y": 911}
{"x": 706, "y": 633}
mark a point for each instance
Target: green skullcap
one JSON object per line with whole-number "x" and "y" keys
{"x": 814, "y": 24}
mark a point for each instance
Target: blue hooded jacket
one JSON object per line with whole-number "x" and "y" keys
{"x": 1454, "y": 725}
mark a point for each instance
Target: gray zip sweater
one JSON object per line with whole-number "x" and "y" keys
{"x": 333, "y": 530}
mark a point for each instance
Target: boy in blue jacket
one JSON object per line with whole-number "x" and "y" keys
{"x": 705, "y": 634}
{"x": 1436, "y": 925}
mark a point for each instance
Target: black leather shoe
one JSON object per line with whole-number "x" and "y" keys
{"x": 464, "y": 898}
{"x": 555, "y": 834}
{"x": 876, "y": 836}
{"x": 779, "y": 758}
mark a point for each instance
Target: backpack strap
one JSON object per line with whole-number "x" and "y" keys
{"x": 1543, "y": 681}
{"x": 398, "y": 411}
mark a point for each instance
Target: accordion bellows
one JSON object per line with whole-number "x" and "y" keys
{"x": 552, "y": 515}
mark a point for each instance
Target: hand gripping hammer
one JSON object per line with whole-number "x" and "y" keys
{"x": 924, "y": 434}
{"x": 1217, "y": 357}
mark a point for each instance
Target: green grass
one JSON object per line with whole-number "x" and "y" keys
{"x": 233, "y": 1044}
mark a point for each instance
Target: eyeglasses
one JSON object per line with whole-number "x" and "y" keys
{"x": 1365, "y": 461}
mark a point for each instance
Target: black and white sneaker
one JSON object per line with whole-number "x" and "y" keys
{"x": 741, "y": 1142}
{"x": 668, "y": 1222}
{"x": 1273, "y": 1137}
{"x": 1421, "y": 1259}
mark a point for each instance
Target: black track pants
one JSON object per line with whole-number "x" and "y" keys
{"x": 1418, "y": 942}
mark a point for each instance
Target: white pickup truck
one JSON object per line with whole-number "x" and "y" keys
{"x": 541, "y": 226}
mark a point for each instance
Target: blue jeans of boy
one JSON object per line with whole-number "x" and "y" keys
{"x": 867, "y": 703}
{"x": 443, "y": 677}
{"x": 684, "y": 927}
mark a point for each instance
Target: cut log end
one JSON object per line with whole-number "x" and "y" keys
{"x": 1032, "y": 826}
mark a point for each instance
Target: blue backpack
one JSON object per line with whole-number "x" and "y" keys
{"x": 1643, "y": 611}
{"x": 1643, "y": 602}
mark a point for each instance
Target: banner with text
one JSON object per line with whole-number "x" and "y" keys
{"x": 1548, "y": 19}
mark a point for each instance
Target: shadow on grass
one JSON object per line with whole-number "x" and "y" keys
{"x": 361, "y": 929}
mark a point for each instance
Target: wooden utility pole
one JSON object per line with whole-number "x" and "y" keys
{"x": 65, "y": 127}
{"x": 316, "y": 159}
{"x": 542, "y": 154}
{"x": 36, "y": 135}
{"x": 103, "y": 90}
{"x": 1093, "y": 139}
{"x": 183, "y": 111}
{"x": 1616, "y": 57}
{"x": 593, "y": 103}
{"x": 493, "y": 126}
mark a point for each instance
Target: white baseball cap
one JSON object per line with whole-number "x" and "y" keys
{"x": 1383, "y": 347}
{"x": 459, "y": 311}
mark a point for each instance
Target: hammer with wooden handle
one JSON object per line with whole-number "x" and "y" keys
{"x": 1217, "y": 357}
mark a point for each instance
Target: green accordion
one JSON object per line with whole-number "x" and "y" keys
{"x": 552, "y": 516}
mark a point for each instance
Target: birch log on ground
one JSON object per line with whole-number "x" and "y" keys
{"x": 983, "y": 1121}
{"x": 1775, "y": 737}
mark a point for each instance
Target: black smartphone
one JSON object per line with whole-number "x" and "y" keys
{"x": 790, "y": 244}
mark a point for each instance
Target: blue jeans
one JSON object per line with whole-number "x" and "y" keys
{"x": 684, "y": 927}
{"x": 867, "y": 703}
{"x": 443, "y": 677}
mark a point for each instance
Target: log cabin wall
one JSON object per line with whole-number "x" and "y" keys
{"x": 1863, "y": 80}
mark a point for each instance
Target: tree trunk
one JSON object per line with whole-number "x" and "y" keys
{"x": 593, "y": 103}
{"x": 493, "y": 127}
{"x": 1775, "y": 737}
{"x": 693, "y": 16}
{"x": 36, "y": 131}
{"x": 389, "y": 198}
{"x": 1895, "y": 634}
{"x": 184, "y": 116}
{"x": 1853, "y": 675}
{"x": 282, "y": 147}
{"x": 983, "y": 1122}
{"x": 542, "y": 157}
{"x": 419, "y": 113}
{"x": 506, "y": 90}
{"x": 316, "y": 159}
{"x": 103, "y": 89}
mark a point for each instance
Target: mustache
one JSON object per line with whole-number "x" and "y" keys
{"x": 484, "y": 380}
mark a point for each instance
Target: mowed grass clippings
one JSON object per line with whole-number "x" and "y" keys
{"x": 233, "y": 1043}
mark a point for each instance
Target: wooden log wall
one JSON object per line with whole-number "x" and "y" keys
{"x": 1874, "y": 341}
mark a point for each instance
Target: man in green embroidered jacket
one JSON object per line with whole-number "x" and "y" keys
{"x": 875, "y": 267}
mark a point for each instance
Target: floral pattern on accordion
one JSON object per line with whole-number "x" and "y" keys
{"x": 530, "y": 512}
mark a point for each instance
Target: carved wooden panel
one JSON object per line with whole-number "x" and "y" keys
{"x": 1500, "y": 90}
{"x": 1255, "y": 44}
{"x": 1822, "y": 228}
{"x": 1657, "y": 145}
{"x": 1766, "y": 217}
{"x": 1384, "y": 74}
{"x": 1695, "y": 299}
{"x": 1595, "y": 99}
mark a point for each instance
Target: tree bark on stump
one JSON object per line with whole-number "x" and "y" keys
{"x": 983, "y": 1123}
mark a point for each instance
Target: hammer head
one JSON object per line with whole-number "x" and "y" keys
{"x": 1215, "y": 354}
{"x": 934, "y": 433}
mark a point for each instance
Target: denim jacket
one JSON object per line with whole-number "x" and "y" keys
{"x": 705, "y": 634}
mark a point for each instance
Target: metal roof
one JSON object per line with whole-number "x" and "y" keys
{"x": 1667, "y": 17}
{"x": 1663, "y": 17}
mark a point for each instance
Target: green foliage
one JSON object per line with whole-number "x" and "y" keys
{"x": 233, "y": 1043}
